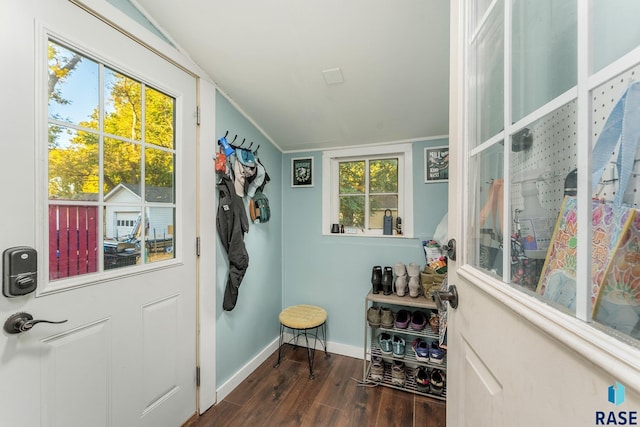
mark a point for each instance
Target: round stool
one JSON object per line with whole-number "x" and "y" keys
{"x": 301, "y": 319}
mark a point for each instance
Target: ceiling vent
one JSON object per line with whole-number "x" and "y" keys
{"x": 333, "y": 76}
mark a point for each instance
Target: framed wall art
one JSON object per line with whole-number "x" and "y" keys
{"x": 436, "y": 164}
{"x": 302, "y": 172}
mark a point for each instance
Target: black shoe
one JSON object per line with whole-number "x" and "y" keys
{"x": 376, "y": 279}
{"x": 387, "y": 281}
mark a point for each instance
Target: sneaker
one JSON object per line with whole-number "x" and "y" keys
{"x": 436, "y": 355}
{"x": 384, "y": 341}
{"x": 418, "y": 321}
{"x": 421, "y": 348}
{"x": 401, "y": 279}
{"x": 374, "y": 316}
{"x": 376, "y": 279}
{"x": 422, "y": 379}
{"x": 398, "y": 374}
{"x": 402, "y": 319}
{"x": 398, "y": 346}
{"x": 386, "y": 317}
{"x": 377, "y": 368}
{"x": 436, "y": 382}
{"x": 387, "y": 281}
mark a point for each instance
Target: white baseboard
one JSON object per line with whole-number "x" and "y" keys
{"x": 233, "y": 382}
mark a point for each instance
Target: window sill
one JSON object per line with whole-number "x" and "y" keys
{"x": 375, "y": 236}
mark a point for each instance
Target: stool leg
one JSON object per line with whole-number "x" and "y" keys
{"x": 280, "y": 345}
{"x": 310, "y": 355}
{"x": 324, "y": 336}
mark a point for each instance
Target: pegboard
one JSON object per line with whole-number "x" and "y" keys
{"x": 553, "y": 152}
{"x": 554, "y": 149}
{"x": 604, "y": 98}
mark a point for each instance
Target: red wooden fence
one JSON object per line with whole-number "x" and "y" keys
{"x": 73, "y": 240}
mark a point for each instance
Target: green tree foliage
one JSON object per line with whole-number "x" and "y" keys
{"x": 383, "y": 189}
{"x": 73, "y": 155}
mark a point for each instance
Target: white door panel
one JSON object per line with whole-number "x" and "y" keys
{"x": 127, "y": 354}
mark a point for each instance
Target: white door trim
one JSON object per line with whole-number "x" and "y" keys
{"x": 206, "y": 278}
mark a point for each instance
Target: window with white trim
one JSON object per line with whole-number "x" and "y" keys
{"x": 362, "y": 186}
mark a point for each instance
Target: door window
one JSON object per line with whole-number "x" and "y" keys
{"x": 111, "y": 167}
{"x": 534, "y": 126}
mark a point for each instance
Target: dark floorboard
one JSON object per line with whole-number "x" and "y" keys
{"x": 285, "y": 396}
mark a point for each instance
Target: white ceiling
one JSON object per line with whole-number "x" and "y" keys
{"x": 269, "y": 58}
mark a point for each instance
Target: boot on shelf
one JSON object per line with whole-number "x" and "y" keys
{"x": 376, "y": 279}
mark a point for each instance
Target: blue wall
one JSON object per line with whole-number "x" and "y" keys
{"x": 335, "y": 271}
{"x": 253, "y": 324}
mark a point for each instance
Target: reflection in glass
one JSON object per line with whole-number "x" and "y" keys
{"x": 159, "y": 118}
{"x": 487, "y": 206}
{"x": 158, "y": 173}
{"x": 544, "y": 54}
{"x": 487, "y": 84}
{"x": 123, "y": 105}
{"x": 73, "y": 88}
{"x": 73, "y": 164}
{"x": 122, "y": 166}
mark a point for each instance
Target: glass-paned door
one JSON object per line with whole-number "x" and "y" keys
{"x": 110, "y": 167}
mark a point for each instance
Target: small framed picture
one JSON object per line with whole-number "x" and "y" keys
{"x": 436, "y": 164}
{"x": 302, "y": 172}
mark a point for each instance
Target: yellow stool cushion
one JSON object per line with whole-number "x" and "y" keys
{"x": 303, "y": 316}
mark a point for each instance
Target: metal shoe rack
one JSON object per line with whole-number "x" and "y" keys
{"x": 371, "y": 347}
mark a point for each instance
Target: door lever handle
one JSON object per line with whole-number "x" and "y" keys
{"x": 23, "y": 322}
{"x": 450, "y": 295}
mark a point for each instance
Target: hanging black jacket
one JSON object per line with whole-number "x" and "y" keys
{"x": 232, "y": 223}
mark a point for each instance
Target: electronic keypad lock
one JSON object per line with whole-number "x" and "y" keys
{"x": 20, "y": 267}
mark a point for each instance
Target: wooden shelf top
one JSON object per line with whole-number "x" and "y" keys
{"x": 419, "y": 302}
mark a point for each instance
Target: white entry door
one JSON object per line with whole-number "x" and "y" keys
{"x": 126, "y": 353}
{"x": 525, "y": 106}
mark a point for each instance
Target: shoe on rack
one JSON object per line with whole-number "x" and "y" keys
{"x": 401, "y": 279}
{"x": 384, "y": 342}
{"x": 398, "y": 346}
{"x": 418, "y": 320}
{"x": 387, "y": 281}
{"x": 413, "y": 271}
{"x": 403, "y": 317}
{"x": 377, "y": 368}
{"x": 376, "y": 279}
{"x": 421, "y": 348}
{"x": 436, "y": 382}
{"x": 374, "y": 316}
{"x": 398, "y": 373}
{"x": 436, "y": 354}
{"x": 386, "y": 317}
{"x": 422, "y": 379}
{"x": 434, "y": 322}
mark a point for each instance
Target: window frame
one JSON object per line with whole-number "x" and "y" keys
{"x": 71, "y": 282}
{"x": 330, "y": 184}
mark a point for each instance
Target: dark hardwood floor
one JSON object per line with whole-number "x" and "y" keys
{"x": 285, "y": 396}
